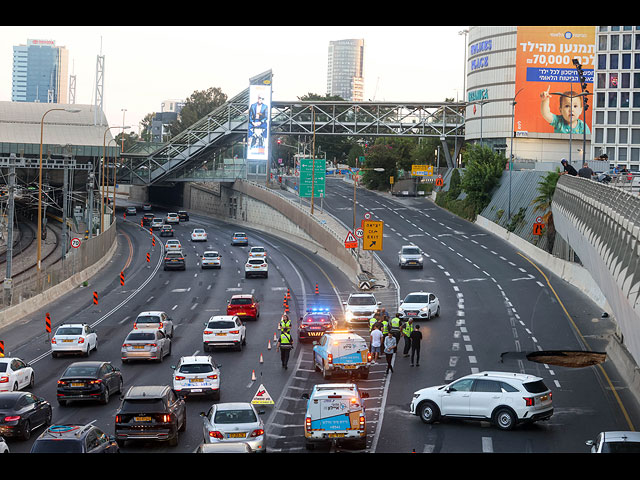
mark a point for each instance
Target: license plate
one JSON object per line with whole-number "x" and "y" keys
{"x": 142, "y": 419}
{"x": 237, "y": 435}
{"x": 349, "y": 366}
{"x": 336, "y": 435}
{"x": 195, "y": 380}
{"x": 138, "y": 347}
{"x": 241, "y": 313}
{"x": 77, "y": 384}
{"x": 67, "y": 341}
{"x": 220, "y": 334}
{"x": 410, "y": 314}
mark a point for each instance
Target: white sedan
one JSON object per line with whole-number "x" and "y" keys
{"x": 420, "y": 306}
{"x": 74, "y": 338}
{"x": 199, "y": 235}
{"x": 15, "y": 374}
{"x": 224, "y": 331}
{"x": 212, "y": 259}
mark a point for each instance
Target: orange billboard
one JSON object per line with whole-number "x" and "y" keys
{"x": 550, "y": 93}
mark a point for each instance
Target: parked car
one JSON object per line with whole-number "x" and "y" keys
{"x": 503, "y": 398}
{"x": 150, "y": 412}
{"x": 15, "y": 374}
{"x": 74, "y": 338}
{"x": 89, "y": 381}
{"x": 21, "y": 413}
{"x": 244, "y": 305}
{"x": 73, "y": 438}
{"x": 315, "y": 323}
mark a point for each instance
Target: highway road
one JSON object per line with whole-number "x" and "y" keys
{"x": 493, "y": 300}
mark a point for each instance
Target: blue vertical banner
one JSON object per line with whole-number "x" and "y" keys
{"x": 259, "y": 119}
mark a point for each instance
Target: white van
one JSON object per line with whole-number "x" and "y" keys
{"x": 342, "y": 351}
{"x": 335, "y": 413}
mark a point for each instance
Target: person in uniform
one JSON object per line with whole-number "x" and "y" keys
{"x": 285, "y": 345}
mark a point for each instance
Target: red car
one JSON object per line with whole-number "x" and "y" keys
{"x": 244, "y": 305}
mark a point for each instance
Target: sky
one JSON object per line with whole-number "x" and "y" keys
{"x": 145, "y": 65}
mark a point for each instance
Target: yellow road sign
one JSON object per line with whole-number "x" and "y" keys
{"x": 422, "y": 170}
{"x": 372, "y": 238}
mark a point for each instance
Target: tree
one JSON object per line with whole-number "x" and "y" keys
{"x": 546, "y": 189}
{"x": 197, "y": 106}
{"x": 482, "y": 173}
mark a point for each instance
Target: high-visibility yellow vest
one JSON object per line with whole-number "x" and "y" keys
{"x": 372, "y": 322}
{"x": 285, "y": 338}
{"x": 395, "y": 323}
{"x": 407, "y": 328}
{"x": 385, "y": 327}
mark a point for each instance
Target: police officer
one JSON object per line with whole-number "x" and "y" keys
{"x": 285, "y": 345}
{"x": 285, "y": 322}
{"x": 385, "y": 326}
{"x": 394, "y": 328}
{"x": 373, "y": 320}
{"x": 407, "y": 328}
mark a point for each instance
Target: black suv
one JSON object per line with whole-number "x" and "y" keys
{"x": 174, "y": 259}
{"x": 89, "y": 381}
{"x": 146, "y": 218}
{"x": 183, "y": 215}
{"x": 74, "y": 439}
{"x": 151, "y": 413}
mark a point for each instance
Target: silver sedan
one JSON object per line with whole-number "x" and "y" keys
{"x": 146, "y": 344}
{"x": 234, "y": 422}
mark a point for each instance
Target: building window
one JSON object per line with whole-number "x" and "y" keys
{"x": 626, "y": 61}
{"x": 613, "y": 80}
{"x": 613, "y": 99}
{"x": 613, "y": 61}
{"x": 615, "y": 43}
{"x": 623, "y": 135}
{"x": 624, "y": 99}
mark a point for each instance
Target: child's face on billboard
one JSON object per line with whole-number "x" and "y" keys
{"x": 570, "y": 109}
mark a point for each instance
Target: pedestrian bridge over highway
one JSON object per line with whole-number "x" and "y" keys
{"x": 602, "y": 224}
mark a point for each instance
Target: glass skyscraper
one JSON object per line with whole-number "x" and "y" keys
{"x": 345, "y": 77}
{"x": 40, "y": 72}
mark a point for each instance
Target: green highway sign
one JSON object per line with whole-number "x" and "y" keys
{"x": 306, "y": 169}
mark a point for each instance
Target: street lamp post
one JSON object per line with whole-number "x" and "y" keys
{"x": 104, "y": 151}
{"x": 39, "y": 252}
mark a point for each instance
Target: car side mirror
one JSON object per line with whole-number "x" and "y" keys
{"x": 589, "y": 443}
{"x": 305, "y": 396}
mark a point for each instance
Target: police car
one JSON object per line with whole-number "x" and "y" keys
{"x": 335, "y": 413}
{"x": 315, "y": 323}
{"x": 341, "y": 351}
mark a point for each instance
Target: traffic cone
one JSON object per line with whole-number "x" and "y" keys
{"x": 253, "y": 375}
{"x": 269, "y": 345}
{"x": 261, "y": 359}
{"x": 274, "y": 336}
{"x": 317, "y": 289}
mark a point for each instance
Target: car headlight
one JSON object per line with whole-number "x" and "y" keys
{"x": 424, "y": 309}
{"x": 402, "y": 259}
{"x": 348, "y": 314}
{"x": 420, "y": 259}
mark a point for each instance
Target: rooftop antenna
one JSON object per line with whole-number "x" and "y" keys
{"x": 72, "y": 84}
{"x": 99, "y": 89}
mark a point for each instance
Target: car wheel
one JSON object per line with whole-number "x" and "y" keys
{"x": 26, "y": 432}
{"x": 438, "y": 311}
{"x": 120, "y": 385}
{"x": 104, "y": 398}
{"x": 47, "y": 420}
{"x": 244, "y": 340}
{"x": 325, "y": 374}
{"x": 32, "y": 381}
{"x": 95, "y": 346}
{"x": 505, "y": 419}
{"x": 183, "y": 427}
{"x": 174, "y": 441}
{"x": 15, "y": 387}
{"x": 205, "y": 347}
{"x": 429, "y": 412}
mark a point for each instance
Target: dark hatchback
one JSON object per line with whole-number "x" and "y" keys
{"x": 183, "y": 215}
{"x": 21, "y": 413}
{"x": 153, "y": 412}
{"x": 74, "y": 439}
{"x": 174, "y": 260}
{"x": 89, "y": 381}
{"x": 147, "y": 218}
{"x": 313, "y": 325}
{"x": 166, "y": 231}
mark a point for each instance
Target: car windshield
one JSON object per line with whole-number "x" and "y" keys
{"x": 57, "y": 446}
{"x": 142, "y": 405}
{"x": 196, "y": 368}
{"x": 621, "y": 447}
{"x": 417, "y": 299}
{"x": 69, "y": 331}
{"x": 221, "y": 324}
{"x": 362, "y": 301}
{"x": 535, "y": 387}
{"x": 80, "y": 371}
{"x": 410, "y": 251}
{"x": 148, "y": 319}
{"x": 239, "y": 235}
{"x": 234, "y": 416}
{"x": 241, "y": 301}
{"x": 141, "y": 336}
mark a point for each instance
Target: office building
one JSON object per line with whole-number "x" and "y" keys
{"x": 40, "y": 72}
{"x": 345, "y": 75}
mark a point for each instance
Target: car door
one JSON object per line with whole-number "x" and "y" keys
{"x": 486, "y": 395}
{"x": 456, "y": 397}
{"x": 36, "y": 408}
{"x": 108, "y": 374}
{"x": 241, "y": 327}
{"x": 21, "y": 372}
{"x": 162, "y": 340}
{"x": 177, "y": 407}
{"x": 90, "y": 336}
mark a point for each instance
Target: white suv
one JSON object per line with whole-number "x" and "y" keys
{"x": 224, "y": 331}
{"x": 506, "y": 399}
{"x": 256, "y": 266}
{"x": 197, "y": 375}
{"x": 360, "y": 307}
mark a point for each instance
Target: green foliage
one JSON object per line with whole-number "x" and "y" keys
{"x": 482, "y": 174}
{"x": 517, "y": 220}
{"x": 546, "y": 189}
{"x": 197, "y": 106}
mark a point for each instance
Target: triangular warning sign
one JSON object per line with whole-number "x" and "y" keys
{"x": 262, "y": 397}
{"x": 350, "y": 241}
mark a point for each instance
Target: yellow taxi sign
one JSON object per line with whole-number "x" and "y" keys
{"x": 372, "y": 234}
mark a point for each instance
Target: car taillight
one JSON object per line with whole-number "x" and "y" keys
{"x": 94, "y": 382}
{"x": 118, "y": 418}
{"x": 152, "y": 345}
{"x": 4, "y": 379}
{"x": 369, "y": 357}
{"x": 12, "y": 418}
{"x": 528, "y": 401}
{"x": 208, "y": 332}
{"x": 361, "y": 423}
{"x": 126, "y": 345}
{"x": 179, "y": 377}
{"x": 212, "y": 377}
{"x": 61, "y": 382}
{"x": 53, "y": 340}
{"x": 235, "y": 332}
{"x": 166, "y": 418}
{"x": 160, "y": 326}
{"x": 329, "y": 358}
{"x": 216, "y": 434}
{"x": 307, "y": 424}
{"x": 257, "y": 432}
{"x": 81, "y": 340}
